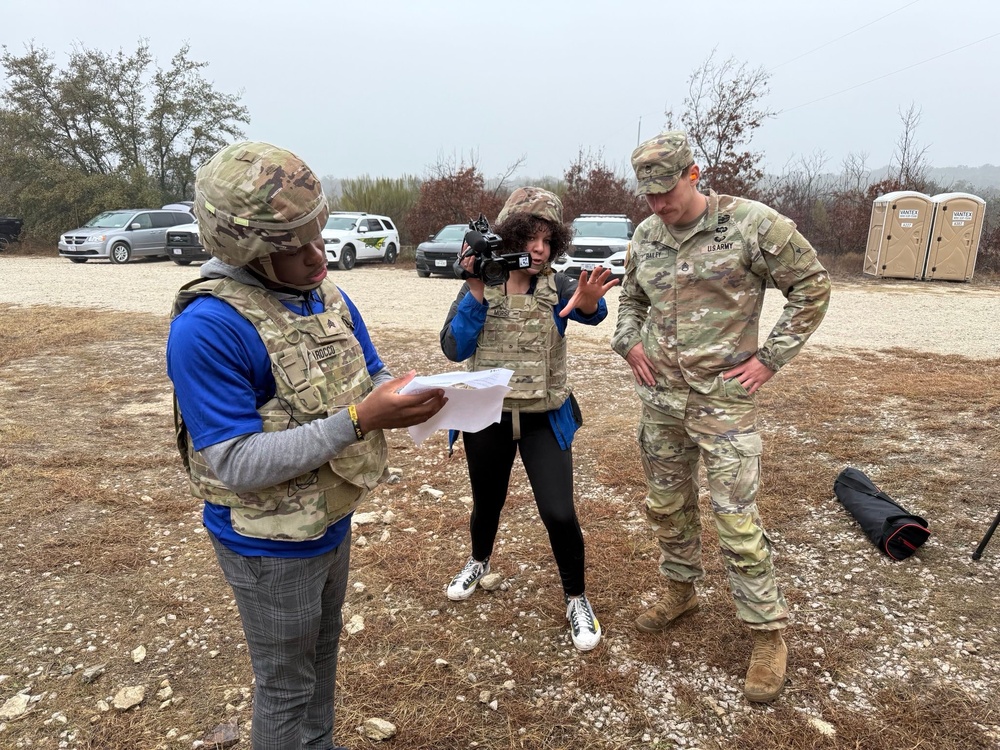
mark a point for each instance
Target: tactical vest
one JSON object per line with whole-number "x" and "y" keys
{"x": 520, "y": 334}
{"x": 319, "y": 369}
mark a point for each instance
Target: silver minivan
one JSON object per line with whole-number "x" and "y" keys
{"x": 121, "y": 235}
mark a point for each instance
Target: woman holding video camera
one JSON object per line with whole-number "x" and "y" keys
{"x": 519, "y": 322}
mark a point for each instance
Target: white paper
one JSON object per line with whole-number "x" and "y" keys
{"x": 475, "y": 400}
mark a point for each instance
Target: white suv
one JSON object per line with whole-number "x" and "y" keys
{"x": 350, "y": 237}
{"x": 598, "y": 240}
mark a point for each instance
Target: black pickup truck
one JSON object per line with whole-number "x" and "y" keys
{"x": 10, "y": 229}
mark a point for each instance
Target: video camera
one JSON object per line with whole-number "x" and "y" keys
{"x": 491, "y": 266}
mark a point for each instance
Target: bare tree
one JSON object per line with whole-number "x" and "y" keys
{"x": 908, "y": 166}
{"x": 722, "y": 110}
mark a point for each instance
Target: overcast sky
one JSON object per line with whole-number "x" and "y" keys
{"x": 391, "y": 87}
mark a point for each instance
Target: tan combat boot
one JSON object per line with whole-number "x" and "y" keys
{"x": 678, "y": 599}
{"x": 766, "y": 675}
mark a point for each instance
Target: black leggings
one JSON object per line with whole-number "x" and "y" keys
{"x": 490, "y": 453}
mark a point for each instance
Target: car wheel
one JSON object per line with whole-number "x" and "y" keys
{"x": 182, "y": 262}
{"x": 390, "y": 254}
{"x": 423, "y": 274}
{"x": 347, "y": 258}
{"x": 120, "y": 253}
{"x": 78, "y": 260}
{"x": 4, "y": 243}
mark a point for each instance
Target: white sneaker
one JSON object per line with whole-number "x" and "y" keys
{"x": 583, "y": 622}
{"x": 462, "y": 585}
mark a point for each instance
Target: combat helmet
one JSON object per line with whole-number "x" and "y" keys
{"x": 253, "y": 199}
{"x": 536, "y": 201}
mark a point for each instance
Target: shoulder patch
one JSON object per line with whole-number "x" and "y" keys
{"x": 775, "y": 231}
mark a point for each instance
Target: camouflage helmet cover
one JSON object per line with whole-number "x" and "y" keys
{"x": 535, "y": 201}
{"x": 660, "y": 161}
{"x": 253, "y": 199}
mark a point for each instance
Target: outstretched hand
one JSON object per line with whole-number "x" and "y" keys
{"x": 592, "y": 287}
{"x": 386, "y": 408}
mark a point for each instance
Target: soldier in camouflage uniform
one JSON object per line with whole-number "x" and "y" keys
{"x": 688, "y": 327}
{"x": 521, "y": 326}
{"x": 280, "y": 403}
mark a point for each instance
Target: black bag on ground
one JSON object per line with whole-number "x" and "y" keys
{"x": 893, "y": 529}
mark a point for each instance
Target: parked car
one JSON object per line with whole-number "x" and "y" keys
{"x": 439, "y": 253}
{"x": 598, "y": 240}
{"x": 352, "y": 236}
{"x": 10, "y": 230}
{"x": 184, "y": 244}
{"x": 118, "y": 236}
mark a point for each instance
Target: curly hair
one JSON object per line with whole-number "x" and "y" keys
{"x": 517, "y": 229}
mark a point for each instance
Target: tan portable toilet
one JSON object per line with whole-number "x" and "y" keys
{"x": 954, "y": 243}
{"x": 897, "y": 235}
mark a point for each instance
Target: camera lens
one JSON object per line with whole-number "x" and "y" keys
{"x": 493, "y": 272}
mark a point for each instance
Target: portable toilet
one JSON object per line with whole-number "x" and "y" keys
{"x": 954, "y": 243}
{"x": 897, "y": 235}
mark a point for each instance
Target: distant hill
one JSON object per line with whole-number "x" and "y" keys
{"x": 960, "y": 177}
{"x": 985, "y": 176}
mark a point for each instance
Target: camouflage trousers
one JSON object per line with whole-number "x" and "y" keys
{"x": 719, "y": 428}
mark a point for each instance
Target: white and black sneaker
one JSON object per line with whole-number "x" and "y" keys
{"x": 464, "y": 584}
{"x": 583, "y": 622}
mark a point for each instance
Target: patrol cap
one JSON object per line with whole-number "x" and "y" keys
{"x": 659, "y": 162}
{"x": 253, "y": 199}
{"x": 536, "y": 201}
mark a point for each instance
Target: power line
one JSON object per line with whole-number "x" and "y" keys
{"x": 842, "y": 36}
{"x": 886, "y": 75}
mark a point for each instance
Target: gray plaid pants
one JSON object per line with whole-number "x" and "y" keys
{"x": 291, "y": 613}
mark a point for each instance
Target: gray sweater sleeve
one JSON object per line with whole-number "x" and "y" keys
{"x": 263, "y": 459}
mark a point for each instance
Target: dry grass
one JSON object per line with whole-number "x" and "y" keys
{"x": 102, "y": 551}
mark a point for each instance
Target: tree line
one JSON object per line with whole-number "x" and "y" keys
{"x": 113, "y": 130}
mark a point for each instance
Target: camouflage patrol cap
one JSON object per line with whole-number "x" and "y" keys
{"x": 253, "y": 199}
{"x": 659, "y": 162}
{"x": 535, "y": 201}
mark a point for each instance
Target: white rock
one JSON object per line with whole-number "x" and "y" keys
{"x": 825, "y": 728}
{"x": 484, "y": 696}
{"x": 491, "y": 582}
{"x": 15, "y": 707}
{"x": 441, "y": 662}
{"x": 430, "y": 491}
{"x": 359, "y": 519}
{"x": 165, "y": 693}
{"x": 388, "y": 517}
{"x": 355, "y": 625}
{"x": 138, "y": 654}
{"x": 379, "y": 729}
{"x": 129, "y": 696}
{"x": 384, "y": 537}
{"x": 494, "y": 704}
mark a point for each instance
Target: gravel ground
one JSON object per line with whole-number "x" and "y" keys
{"x": 937, "y": 317}
{"x": 848, "y": 595}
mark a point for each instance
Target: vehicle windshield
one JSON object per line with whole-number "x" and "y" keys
{"x": 454, "y": 233}
{"x": 617, "y": 230}
{"x": 341, "y": 222}
{"x": 111, "y": 219}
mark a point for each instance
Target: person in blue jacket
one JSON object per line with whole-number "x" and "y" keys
{"x": 281, "y": 399}
{"x": 521, "y": 325}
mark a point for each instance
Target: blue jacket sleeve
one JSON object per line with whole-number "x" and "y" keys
{"x": 465, "y": 320}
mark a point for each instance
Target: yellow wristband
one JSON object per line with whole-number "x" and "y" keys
{"x": 352, "y": 410}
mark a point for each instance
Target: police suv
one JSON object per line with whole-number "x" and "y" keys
{"x": 352, "y": 236}
{"x": 598, "y": 240}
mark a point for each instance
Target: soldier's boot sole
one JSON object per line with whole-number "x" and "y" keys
{"x": 658, "y": 618}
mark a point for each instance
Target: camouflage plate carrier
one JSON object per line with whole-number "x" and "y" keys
{"x": 319, "y": 369}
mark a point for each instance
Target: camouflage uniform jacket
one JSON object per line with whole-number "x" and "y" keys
{"x": 520, "y": 334}
{"x": 695, "y": 304}
{"x": 319, "y": 369}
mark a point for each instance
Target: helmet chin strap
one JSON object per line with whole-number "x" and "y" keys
{"x": 263, "y": 267}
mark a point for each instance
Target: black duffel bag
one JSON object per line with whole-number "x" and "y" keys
{"x": 892, "y": 528}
